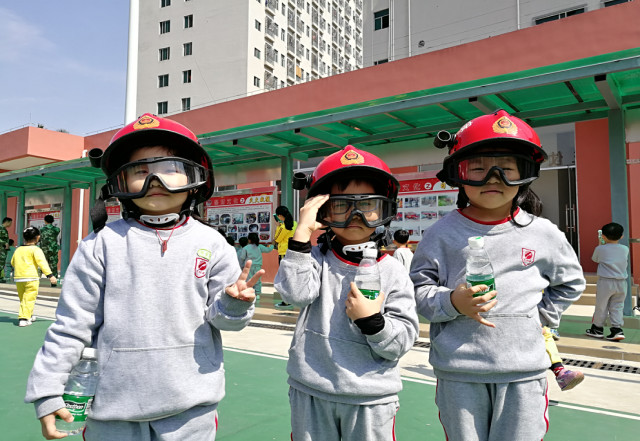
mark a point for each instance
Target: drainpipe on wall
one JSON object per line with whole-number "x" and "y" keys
{"x": 409, "y": 23}
{"x": 518, "y": 13}
{"x": 132, "y": 63}
{"x": 81, "y": 207}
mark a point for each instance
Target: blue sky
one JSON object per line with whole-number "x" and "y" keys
{"x": 63, "y": 64}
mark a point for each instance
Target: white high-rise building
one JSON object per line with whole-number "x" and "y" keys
{"x": 193, "y": 53}
{"x": 396, "y": 29}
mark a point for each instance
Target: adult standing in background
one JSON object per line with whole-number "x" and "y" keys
{"x": 4, "y": 244}
{"x": 49, "y": 244}
{"x": 286, "y": 227}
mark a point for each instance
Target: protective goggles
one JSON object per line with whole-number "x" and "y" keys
{"x": 476, "y": 170}
{"x": 374, "y": 210}
{"x": 132, "y": 180}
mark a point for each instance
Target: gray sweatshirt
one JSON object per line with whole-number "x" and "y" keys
{"x": 154, "y": 318}
{"x": 537, "y": 277}
{"x": 612, "y": 260}
{"x": 330, "y": 357}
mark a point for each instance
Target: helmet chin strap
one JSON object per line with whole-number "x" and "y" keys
{"x": 359, "y": 247}
{"x": 160, "y": 220}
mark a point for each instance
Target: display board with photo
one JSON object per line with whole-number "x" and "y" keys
{"x": 238, "y": 215}
{"x": 35, "y": 218}
{"x": 421, "y": 202}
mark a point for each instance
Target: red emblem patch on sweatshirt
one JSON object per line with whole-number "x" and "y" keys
{"x": 201, "y": 267}
{"x": 528, "y": 256}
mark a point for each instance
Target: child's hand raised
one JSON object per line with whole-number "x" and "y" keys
{"x": 462, "y": 299}
{"x": 243, "y": 289}
{"x": 358, "y": 306}
{"x": 308, "y": 214}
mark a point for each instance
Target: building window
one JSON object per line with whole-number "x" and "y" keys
{"x": 256, "y": 81}
{"x": 559, "y": 15}
{"x": 165, "y": 26}
{"x": 164, "y": 53}
{"x": 164, "y": 3}
{"x": 281, "y": 84}
{"x": 188, "y": 21}
{"x": 381, "y": 19}
{"x": 186, "y": 76}
{"x": 256, "y": 52}
{"x": 163, "y": 107}
{"x": 283, "y": 36}
{"x": 386, "y": 60}
{"x": 163, "y": 80}
{"x": 186, "y": 104}
{"x": 282, "y": 60}
{"x": 187, "y": 49}
{"x": 614, "y": 2}
{"x": 258, "y": 25}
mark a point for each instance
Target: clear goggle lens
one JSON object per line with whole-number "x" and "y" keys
{"x": 477, "y": 170}
{"x": 175, "y": 174}
{"x": 374, "y": 210}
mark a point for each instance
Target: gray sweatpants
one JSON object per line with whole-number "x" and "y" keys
{"x": 610, "y": 294}
{"x": 493, "y": 411}
{"x": 199, "y": 423}
{"x": 314, "y": 419}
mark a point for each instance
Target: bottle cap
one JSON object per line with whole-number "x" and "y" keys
{"x": 476, "y": 242}
{"x": 91, "y": 353}
{"x": 370, "y": 253}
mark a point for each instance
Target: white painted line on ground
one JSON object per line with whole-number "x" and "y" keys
{"x": 259, "y": 354}
{"x": 599, "y": 411}
{"x": 416, "y": 380}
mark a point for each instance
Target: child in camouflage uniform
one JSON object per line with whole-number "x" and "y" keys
{"x": 4, "y": 244}
{"x": 49, "y": 244}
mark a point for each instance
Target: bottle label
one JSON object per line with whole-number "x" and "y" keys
{"x": 77, "y": 405}
{"x": 371, "y": 294}
{"x": 491, "y": 283}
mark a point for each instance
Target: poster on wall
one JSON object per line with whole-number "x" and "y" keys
{"x": 35, "y": 218}
{"x": 113, "y": 212}
{"x": 238, "y": 215}
{"x": 421, "y": 202}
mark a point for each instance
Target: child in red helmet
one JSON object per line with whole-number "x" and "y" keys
{"x": 151, "y": 292}
{"x": 343, "y": 358}
{"x": 489, "y": 355}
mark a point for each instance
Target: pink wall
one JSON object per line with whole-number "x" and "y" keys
{"x": 42, "y": 143}
{"x": 594, "y": 190}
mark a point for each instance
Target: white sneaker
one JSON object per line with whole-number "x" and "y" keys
{"x": 33, "y": 318}
{"x": 24, "y": 322}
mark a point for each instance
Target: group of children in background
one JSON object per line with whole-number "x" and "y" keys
{"x": 487, "y": 346}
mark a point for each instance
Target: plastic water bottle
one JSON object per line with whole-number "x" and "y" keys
{"x": 368, "y": 275}
{"x": 79, "y": 392}
{"x": 479, "y": 269}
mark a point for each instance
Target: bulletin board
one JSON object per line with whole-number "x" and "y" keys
{"x": 237, "y": 215}
{"x": 422, "y": 200}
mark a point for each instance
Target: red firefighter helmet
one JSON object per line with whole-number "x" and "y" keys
{"x": 352, "y": 162}
{"x": 152, "y": 130}
{"x": 499, "y": 130}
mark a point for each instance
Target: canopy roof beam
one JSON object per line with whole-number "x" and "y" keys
{"x": 322, "y": 136}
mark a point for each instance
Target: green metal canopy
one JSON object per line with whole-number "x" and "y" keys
{"x": 569, "y": 92}
{"x": 574, "y": 91}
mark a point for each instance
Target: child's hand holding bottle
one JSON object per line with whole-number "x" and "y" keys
{"x": 462, "y": 299}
